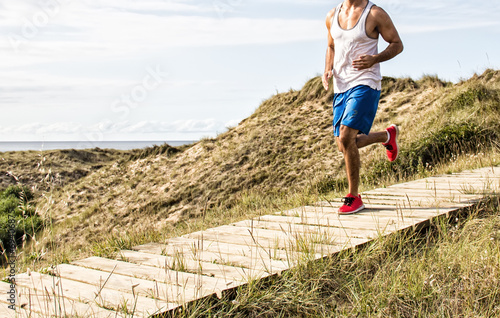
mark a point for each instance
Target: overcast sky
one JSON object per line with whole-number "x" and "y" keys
{"x": 183, "y": 69}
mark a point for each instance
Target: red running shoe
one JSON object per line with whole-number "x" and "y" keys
{"x": 392, "y": 144}
{"x": 351, "y": 205}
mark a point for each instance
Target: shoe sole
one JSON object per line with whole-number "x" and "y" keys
{"x": 396, "y": 140}
{"x": 352, "y": 212}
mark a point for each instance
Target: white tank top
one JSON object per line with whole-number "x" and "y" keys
{"x": 349, "y": 45}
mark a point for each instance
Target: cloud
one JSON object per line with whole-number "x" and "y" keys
{"x": 59, "y": 128}
{"x": 179, "y": 126}
{"x": 131, "y": 27}
{"x": 116, "y": 28}
{"x": 125, "y": 127}
{"x": 428, "y": 28}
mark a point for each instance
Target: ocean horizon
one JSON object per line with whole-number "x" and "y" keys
{"x": 57, "y": 145}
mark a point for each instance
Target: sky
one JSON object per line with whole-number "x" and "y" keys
{"x": 109, "y": 70}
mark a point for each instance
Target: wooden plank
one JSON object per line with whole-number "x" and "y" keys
{"x": 209, "y": 269}
{"x": 440, "y": 183}
{"x": 247, "y": 246}
{"x": 405, "y": 213}
{"x": 6, "y": 312}
{"x": 429, "y": 200}
{"x": 246, "y": 261}
{"x": 484, "y": 181}
{"x": 377, "y": 201}
{"x": 366, "y": 219}
{"x": 434, "y": 190}
{"x": 156, "y": 290}
{"x": 220, "y": 248}
{"x": 410, "y": 201}
{"x": 31, "y": 303}
{"x": 107, "y": 298}
{"x": 307, "y": 247}
{"x": 430, "y": 196}
{"x": 376, "y": 226}
{"x": 482, "y": 173}
{"x": 292, "y": 228}
{"x": 259, "y": 233}
{"x": 193, "y": 281}
{"x": 379, "y": 211}
{"x": 271, "y": 236}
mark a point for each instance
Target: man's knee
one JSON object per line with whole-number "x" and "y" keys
{"x": 339, "y": 144}
{"x": 346, "y": 141}
{"x": 347, "y": 137}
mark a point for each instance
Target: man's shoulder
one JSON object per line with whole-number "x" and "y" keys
{"x": 330, "y": 14}
{"x": 329, "y": 17}
{"x": 377, "y": 11}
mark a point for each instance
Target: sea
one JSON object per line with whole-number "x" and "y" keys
{"x": 54, "y": 145}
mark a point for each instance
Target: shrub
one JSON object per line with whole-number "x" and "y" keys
{"x": 469, "y": 97}
{"x": 15, "y": 206}
{"x": 437, "y": 147}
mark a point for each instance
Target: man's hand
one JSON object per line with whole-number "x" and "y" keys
{"x": 326, "y": 79}
{"x": 364, "y": 61}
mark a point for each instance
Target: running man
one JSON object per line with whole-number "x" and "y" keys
{"x": 352, "y": 59}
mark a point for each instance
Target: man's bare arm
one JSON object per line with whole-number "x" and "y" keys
{"x": 330, "y": 52}
{"x": 388, "y": 31}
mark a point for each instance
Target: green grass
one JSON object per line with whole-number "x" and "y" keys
{"x": 97, "y": 202}
{"x": 438, "y": 146}
{"x": 19, "y": 221}
{"x": 448, "y": 270}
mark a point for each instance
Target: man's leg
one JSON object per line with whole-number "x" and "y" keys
{"x": 371, "y": 138}
{"x": 347, "y": 142}
{"x": 388, "y": 138}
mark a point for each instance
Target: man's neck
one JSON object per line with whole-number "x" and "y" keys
{"x": 354, "y": 3}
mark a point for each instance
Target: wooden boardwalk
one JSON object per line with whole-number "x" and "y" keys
{"x": 155, "y": 278}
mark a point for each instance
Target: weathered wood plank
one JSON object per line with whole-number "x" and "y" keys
{"x": 103, "y": 297}
{"x": 246, "y": 261}
{"x": 307, "y": 248}
{"x": 429, "y": 197}
{"x": 377, "y": 227}
{"x": 192, "y": 266}
{"x": 418, "y": 193}
{"x": 292, "y": 228}
{"x": 31, "y": 303}
{"x": 379, "y": 212}
{"x": 156, "y": 290}
{"x": 377, "y": 201}
{"x": 423, "y": 202}
{"x": 367, "y": 219}
{"x": 6, "y": 312}
{"x": 219, "y": 248}
{"x": 271, "y": 236}
{"x": 440, "y": 184}
{"x": 194, "y": 281}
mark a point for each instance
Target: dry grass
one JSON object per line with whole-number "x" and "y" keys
{"x": 449, "y": 270}
{"x": 46, "y": 170}
{"x": 283, "y": 156}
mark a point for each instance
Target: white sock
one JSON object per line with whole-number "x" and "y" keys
{"x": 388, "y": 137}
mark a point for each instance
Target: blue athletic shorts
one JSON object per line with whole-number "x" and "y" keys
{"x": 355, "y": 108}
